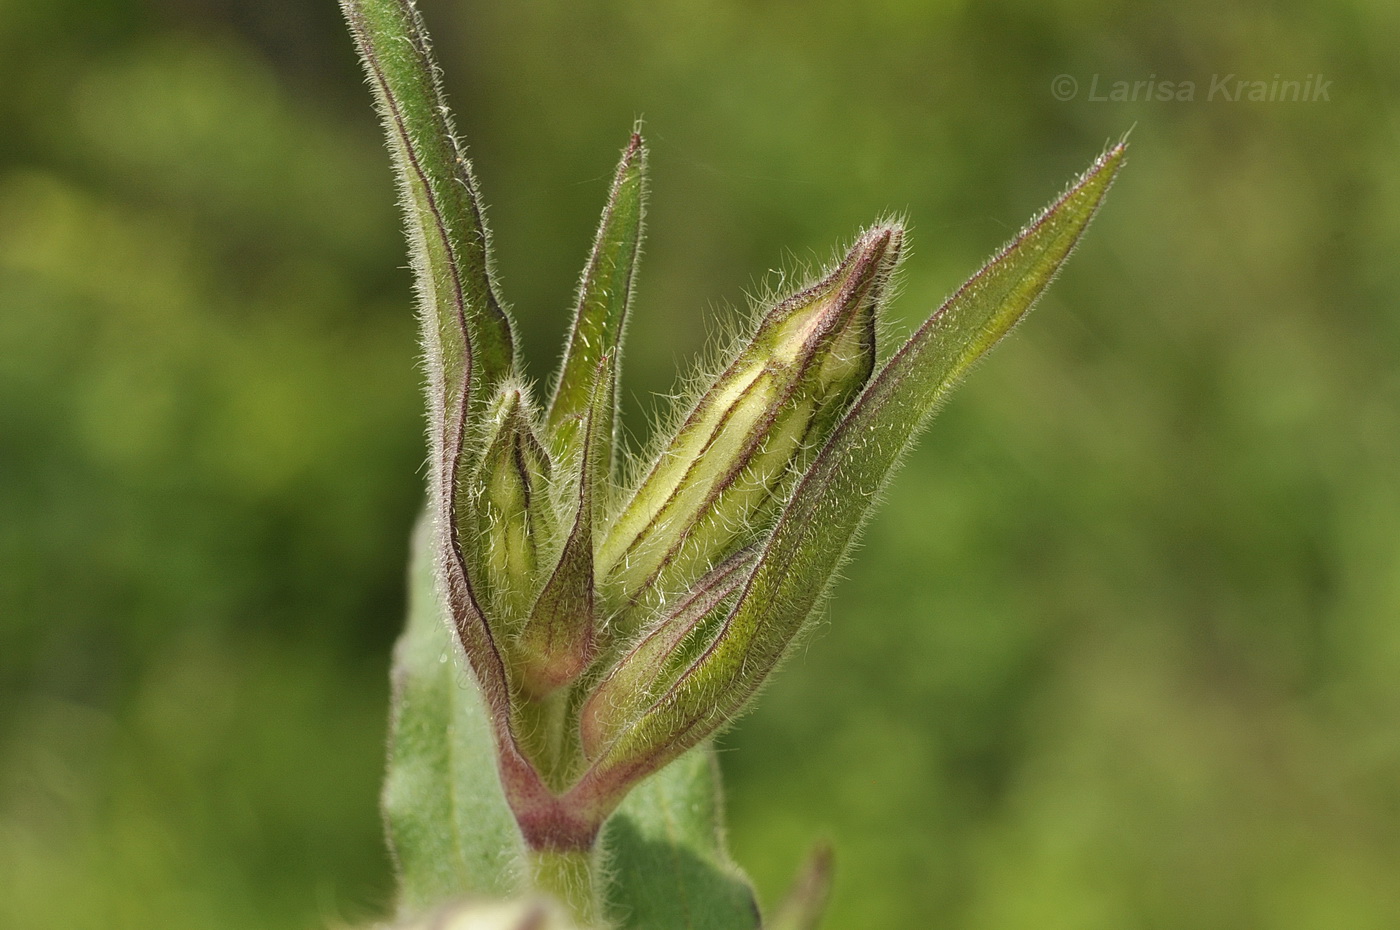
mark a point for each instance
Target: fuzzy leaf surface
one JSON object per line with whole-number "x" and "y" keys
{"x": 600, "y": 318}
{"x": 448, "y": 240}
{"x": 667, "y": 862}
{"x": 450, "y": 829}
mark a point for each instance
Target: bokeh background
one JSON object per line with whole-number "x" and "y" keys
{"x": 1122, "y": 649}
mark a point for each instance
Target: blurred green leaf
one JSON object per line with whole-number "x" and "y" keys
{"x": 805, "y": 904}
{"x": 667, "y": 862}
{"x": 449, "y": 826}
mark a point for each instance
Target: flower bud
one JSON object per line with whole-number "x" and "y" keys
{"x": 659, "y": 656}
{"x": 559, "y": 639}
{"x": 708, "y": 490}
{"x": 517, "y": 517}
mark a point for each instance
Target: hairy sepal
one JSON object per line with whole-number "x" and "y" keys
{"x": 560, "y": 638}
{"x": 650, "y": 667}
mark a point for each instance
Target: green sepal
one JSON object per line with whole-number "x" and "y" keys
{"x": 659, "y": 656}
{"x": 560, "y": 639}
{"x": 468, "y": 345}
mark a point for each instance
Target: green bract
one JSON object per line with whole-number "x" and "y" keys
{"x": 613, "y": 625}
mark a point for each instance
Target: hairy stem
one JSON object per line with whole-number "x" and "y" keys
{"x": 569, "y": 878}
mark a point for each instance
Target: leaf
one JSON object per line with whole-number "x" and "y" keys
{"x": 464, "y": 321}
{"x": 834, "y": 498}
{"x": 806, "y": 901}
{"x": 666, "y": 855}
{"x": 600, "y": 317}
{"x": 449, "y": 827}
{"x": 467, "y": 338}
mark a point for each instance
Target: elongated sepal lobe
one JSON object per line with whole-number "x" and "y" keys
{"x": 446, "y": 223}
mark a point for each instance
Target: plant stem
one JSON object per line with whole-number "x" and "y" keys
{"x": 568, "y": 877}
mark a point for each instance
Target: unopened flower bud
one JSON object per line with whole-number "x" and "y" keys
{"x": 559, "y": 638}
{"x": 517, "y": 516}
{"x": 659, "y": 655}
{"x": 707, "y": 490}
{"x": 610, "y": 633}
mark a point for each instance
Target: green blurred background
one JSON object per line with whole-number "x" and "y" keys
{"x": 1122, "y": 649}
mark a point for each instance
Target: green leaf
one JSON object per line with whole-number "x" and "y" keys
{"x": 467, "y": 329}
{"x": 449, "y": 827}
{"x": 666, "y": 856}
{"x": 600, "y": 316}
{"x": 834, "y": 498}
{"x": 805, "y": 904}
{"x": 467, "y": 339}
